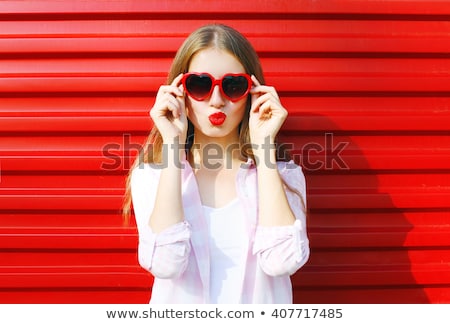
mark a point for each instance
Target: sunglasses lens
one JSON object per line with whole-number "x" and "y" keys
{"x": 198, "y": 86}
{"x": 234, "y": 86}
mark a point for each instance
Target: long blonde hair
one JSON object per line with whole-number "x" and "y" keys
{"x": 210, "y": 36}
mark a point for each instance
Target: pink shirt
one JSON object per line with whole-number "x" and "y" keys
{"x": 179, "y": 257}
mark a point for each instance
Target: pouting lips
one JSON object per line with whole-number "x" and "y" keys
{"x": 217, "y": 118}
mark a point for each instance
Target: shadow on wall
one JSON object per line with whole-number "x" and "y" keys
{"x": 357, "y": 234}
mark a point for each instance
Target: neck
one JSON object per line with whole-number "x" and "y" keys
{"x": 212, "y": 152}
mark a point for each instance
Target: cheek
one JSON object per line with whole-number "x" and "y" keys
{"x": 240, "y": 109}
{"x": 193, "y": 111}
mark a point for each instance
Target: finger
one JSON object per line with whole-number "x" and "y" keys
{"x": 255, "y": 80}
{"x": 259, "y": 101}
{"x": 164, "y": 99}
{"x": 179, "y": 104}
{"x": 173, "y": 108}
{"x": 257, "y": 84}
{"x": 168, "y": 90}
{"x": 262, "y": 88}
{"x": 181, "y": 88}
{"x": 177, "y": 80}
{"x": 265, "y": 111}
{"x": 177, "y": 86}
{"x": 259, "y": 88}
{"x": 181, "y": 108}
{"x": 166, "y": 104}
{"x": 265, "y": 89}
{"x": 175, "y": 102}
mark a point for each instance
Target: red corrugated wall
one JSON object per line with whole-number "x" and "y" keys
{"x": 367, "y": 86}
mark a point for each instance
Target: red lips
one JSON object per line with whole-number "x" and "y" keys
{"x": 217, "y": 118}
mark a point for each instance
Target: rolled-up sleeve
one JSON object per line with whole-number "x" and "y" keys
{"x": 282, "y": 250}
{"x": 164, "y": 254}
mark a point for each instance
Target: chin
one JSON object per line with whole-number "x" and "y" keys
{"x": 216, "y": 131}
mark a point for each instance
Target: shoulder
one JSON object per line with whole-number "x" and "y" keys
{"x": 144, "y": 172}
{"x": 150, "y": 173}
{"x": 145, "y": 168}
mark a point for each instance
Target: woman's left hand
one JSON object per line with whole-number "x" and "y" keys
{"x": 266, "y": 113}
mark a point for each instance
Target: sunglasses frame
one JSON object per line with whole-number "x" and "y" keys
{"x": 217, "y": 82}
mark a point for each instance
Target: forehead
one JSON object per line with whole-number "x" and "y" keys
{"x": 216, "y": 62}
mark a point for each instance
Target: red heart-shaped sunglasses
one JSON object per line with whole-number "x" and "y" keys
{"x": 234, "y": 86}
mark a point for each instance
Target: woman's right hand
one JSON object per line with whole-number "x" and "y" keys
{"x": 169, "y": 112}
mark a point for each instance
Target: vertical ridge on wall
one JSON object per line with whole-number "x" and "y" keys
{"x": 367, "y": 87}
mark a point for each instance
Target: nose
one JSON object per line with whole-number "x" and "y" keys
{"x": 216, "y": 100}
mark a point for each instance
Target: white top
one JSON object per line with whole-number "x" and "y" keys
{"x": 227, "y": 234}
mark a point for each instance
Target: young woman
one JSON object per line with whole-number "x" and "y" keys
{"x": 220, "y": 220}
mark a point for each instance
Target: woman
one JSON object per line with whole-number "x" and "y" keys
{"x": 220, "y": 220}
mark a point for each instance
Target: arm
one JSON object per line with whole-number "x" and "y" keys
{"x": 168, "y": 209}
{"x": 274, "y": 209}
{"x": 266, "y": 117}
{"x": 282, "y": 250}
{"x": 281, "y": 242}
{"x": 163, "y": 234}
{"x": 169, "y": 116}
